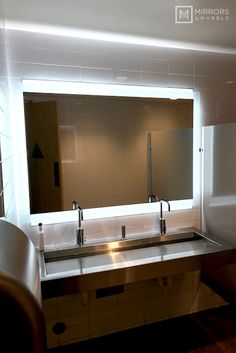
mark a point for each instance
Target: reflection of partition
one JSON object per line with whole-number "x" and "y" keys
{"x": 170, "y": 161}
{"x": 219, "y": 164}
{"x": 224, "y": 158}
{"x": 219, "y": 189}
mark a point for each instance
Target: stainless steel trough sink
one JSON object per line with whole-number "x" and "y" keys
{"x": 143, "y": 257}
{"x": 122, "y": 245}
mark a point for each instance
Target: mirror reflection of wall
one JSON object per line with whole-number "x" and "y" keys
{"x": 1, "y": 189}
{"x": 101, "y": 154}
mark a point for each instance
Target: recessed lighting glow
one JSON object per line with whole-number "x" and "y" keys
{"x": 112, "y": 37}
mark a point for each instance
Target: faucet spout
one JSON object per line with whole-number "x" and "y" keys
{"x": 80, "y": 230}
{"x": 154, "y": 198}
{"x": 80, "y": 217}
{"x": 168, "y": 204}
{"x": 162, "y": 220}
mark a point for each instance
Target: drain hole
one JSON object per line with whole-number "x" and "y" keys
{"x": 59, "y": 328}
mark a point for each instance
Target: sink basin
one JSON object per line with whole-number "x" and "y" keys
{"x": 121, "y": 245}
{"x": 100, "y": 265}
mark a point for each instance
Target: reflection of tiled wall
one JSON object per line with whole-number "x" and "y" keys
{"x": 40, "y": 56}
{"x": 108, "y": 148}
{"x": 141, "y": 303}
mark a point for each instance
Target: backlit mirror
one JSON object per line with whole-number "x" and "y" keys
{"x": 106, "y": 150}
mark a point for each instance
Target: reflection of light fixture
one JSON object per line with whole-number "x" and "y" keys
{"x": 229, "y": 82}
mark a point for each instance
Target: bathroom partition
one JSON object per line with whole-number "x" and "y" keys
{"x": 219, "y": 187}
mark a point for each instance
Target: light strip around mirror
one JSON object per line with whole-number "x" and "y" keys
{"x": 99, "y": 89}
{"x": 59, "y": 87}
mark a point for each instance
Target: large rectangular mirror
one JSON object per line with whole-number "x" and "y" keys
{"x": 96, "y": 149}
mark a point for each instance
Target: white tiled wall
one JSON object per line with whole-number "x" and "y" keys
{"x": 2, "y": 119}
{"x": 7, "y": 185}
{"x": 40, "y": 56}
{"x": 63, "y": 234}
{"x": 140, "y": 303}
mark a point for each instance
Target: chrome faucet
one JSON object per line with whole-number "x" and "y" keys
{"x": 79, "y": 230}
{"x": 152, "y": 198}
{"x": 162, "y": 220}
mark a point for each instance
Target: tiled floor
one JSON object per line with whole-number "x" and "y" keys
{"x": 211, "y": 331}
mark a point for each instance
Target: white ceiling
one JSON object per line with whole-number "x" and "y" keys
{"x": 147, "y": 18}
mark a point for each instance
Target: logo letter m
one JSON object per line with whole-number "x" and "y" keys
{"x": 183, "y": 14}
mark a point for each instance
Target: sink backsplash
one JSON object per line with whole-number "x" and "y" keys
{"x": 61, "y": 235}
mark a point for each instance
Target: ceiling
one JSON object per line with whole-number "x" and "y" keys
{"x": 151, "y": 18}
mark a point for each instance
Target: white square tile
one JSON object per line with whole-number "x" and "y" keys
{"x": 95, "y": 60}
{"x": 206, "y": 69}
{"x": 182, "y": 81}
{"x": 154, "y": 66}
{"x": 95, "y": 75}
{"x": 128, "y": 63}
{"x": 23, "y": 54}
{"x": 27, "y": 70}
{"x": 181, "y": 67}
{"x": 60, "y": 42}
{"x": 59, "y": 57}
{"x": 154, "y": 79}
{"x": 25, "y": 38}
{"x": 126, "y": 77}
{"x": 60, "y": 72}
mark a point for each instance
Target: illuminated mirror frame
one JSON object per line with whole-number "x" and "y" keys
{"x": 60, "y": 87}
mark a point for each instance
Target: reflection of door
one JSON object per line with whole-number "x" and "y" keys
{"x": 43, "y": 156}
